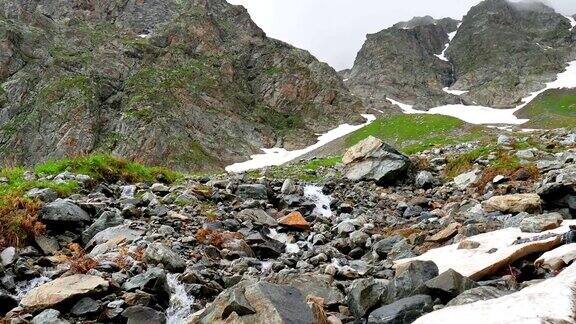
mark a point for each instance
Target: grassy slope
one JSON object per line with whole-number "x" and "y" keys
{"x": 552, "y": 109}
{"x": 415, "y": 133}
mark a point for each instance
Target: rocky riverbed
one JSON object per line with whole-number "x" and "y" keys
{"x": 381, "y": 238}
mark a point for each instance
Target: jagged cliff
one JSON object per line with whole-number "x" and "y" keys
{"x": 190, "y": 85}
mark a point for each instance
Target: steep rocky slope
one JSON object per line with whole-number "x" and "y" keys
{"x": 504, "y": 51}
{"x": 501, "y": 52}
{"x": 401, "y": 62}
{"x": 192, "y": 85}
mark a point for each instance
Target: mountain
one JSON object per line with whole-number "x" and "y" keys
{"x": 501, "y": 52}
{"x": 192, "y": 85}
{"x": 401, "y": 62}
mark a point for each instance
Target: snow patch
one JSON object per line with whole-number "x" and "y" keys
{"x": 454, "y": 92}
{"x": 550, "y": 301}
{"x": 322, "y": 201}
{"x": 279, "y": 156}
{"x": 572, "y": 22}
{"x": 451, "y": 36}
{"x": 485, "y": 115}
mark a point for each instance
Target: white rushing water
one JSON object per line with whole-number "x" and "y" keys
{"x": 180, "y": 302}
{"x": 279, "y": 156}
{"x": 487, "y": 115}
{"x": 22, "y": 288}
{"x": 322, "y": 201}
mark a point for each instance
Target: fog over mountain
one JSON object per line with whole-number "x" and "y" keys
{"x": 334, "y": 30}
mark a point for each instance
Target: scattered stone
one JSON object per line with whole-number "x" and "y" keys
{"x": 424, "y": 179}
{"x": 410, "y": 279}
{"x": 464, "y": 180}
{"x": 445, "y": 234}
{"x": 106, "y": 220}
{"x": 85, "y": 306}
{"x": 46, "y": 195}
{"x": 449, "y": 284}
{"x": 252, "y": 191}
{"x": 258, "y": 217}
{"x": 8, "y": 256}
{"x": 48, "y": 316}
{"x": 143, "y": 315}
{"x": 364, "y": 294}
{"x": 477, "y": 294}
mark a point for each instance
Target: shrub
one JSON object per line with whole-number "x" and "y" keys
{"x": 19, "y": 223}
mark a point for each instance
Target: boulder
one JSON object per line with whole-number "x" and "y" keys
{"x": 63, "y": 289}
{"x": 257, "y": 216}
{"x": 464, "y": 180}
{"x": 294, "y": 220}
{"x": 63, "y": 212}
{"x": 258, "y": 302}
{"x": 540, "y": 223}
{"x": 143, "y": 315}
{"x": 46, "y": 194}
{"x": 410, "y": 279}
{"x": 153, "y": 281}
{"x": 85, "y": 306}
{"x": 477, "y": 294}
{"x": 157, "y": 253}
{"x": 313, "y": 284}
{"x": 515, "y": 203}
{"x": 424, "y": 179}
{"x": 449, "y": 284}
{"x": 405, "y": 310}
{"x": 364, "y": 294}
{"x": 106, "y": 220}
{"x": 445, "y": 234}
{"x": 48, "y": 244}
{"x": 8, "y": 256}
{"x": 252, "y": 191}
{"x": 48, "y": 316}
{"x": 372, "y": 159}
{"x": 120, "y": 232}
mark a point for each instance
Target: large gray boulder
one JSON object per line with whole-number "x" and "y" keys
{"x": 449, "y": 284}
{"x": 106, "y": 220}
{"x": 158, "y": 253}
{"x": 405, "y": 310}
{"x": 372, "y": 159}
{"x": 410, "y": 280}
{"x": 364, "y": 294}
{"x": 258, "y": 302}
{"x": 63, "y": 212}
{"x": 540, "y": 223}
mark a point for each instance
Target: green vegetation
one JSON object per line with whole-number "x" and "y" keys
{"x": 279, "y": 122}
{"x": 552, "y": 109}
{"x": 313, "y": 170}
{"x": 107, "y": 168}
{"x": 61, "y": 89}
{"x": 168, "y": 86}
{"x": 17, "y": 185}
{"x": 274, "y": 71}
{"x": 415, "y": 133}
{"x": 465, "y": 162}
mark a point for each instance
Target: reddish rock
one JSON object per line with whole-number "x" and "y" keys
{"x": 294, "y": 220}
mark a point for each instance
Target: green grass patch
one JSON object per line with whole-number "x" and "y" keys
{"x": 552, "y": 109}
{"x": 416, "y": 133}
{"x": 274, "y": 71}
{"x": 108, "y": 168}
{"x": 311, "y": 171}
{"x": 279, "y": 122}
{"x": 464, "y": 162}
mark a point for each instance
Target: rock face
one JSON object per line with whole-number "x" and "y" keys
{"x": 501, "y": 52}
{"x": 63, "y": 289}
{"x": 372, "y": 159}
{"x": 401, "y": 63}
{"x": 201, "y": 86}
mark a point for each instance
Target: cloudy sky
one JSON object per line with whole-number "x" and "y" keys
{"x": 334, "y": 30}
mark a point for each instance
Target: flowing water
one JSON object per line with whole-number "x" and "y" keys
{"x": 180, "y": 302}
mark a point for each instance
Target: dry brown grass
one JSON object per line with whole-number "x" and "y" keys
{"x": 19, "y": 222}
{"x": 79, "y": 261}
{"x": 216, "y": 238}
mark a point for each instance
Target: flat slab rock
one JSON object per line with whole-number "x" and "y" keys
{"x": 62, "y": 289}
{"x": 550, "y": 301}
{"x": 484, "y": 260}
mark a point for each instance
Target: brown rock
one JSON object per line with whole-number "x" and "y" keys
{"x": 445, "y": 234}
{"x": 62, "y": 289}
{"x": 517, "y": 203}
{"x": 294, "y": 220}
{"x": 468, "y": 245}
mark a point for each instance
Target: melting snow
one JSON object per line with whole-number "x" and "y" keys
{"x": 486, "y": 115}
{"x": 180, "y": 302}
{"x": 451, "y": 36}
{"x": 321, "y": 200}
{"x": 572, "y": 22}
{"x": 454, "y": 92}
{"x": 551, "y": 301}
{"x": 279, "y": 156}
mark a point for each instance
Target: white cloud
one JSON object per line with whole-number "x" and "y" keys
{"x": 334, "y": 30}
